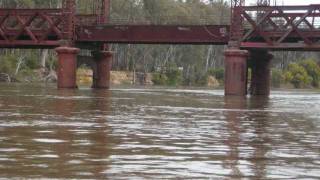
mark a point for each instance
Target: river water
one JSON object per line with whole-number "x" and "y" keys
{"x": 130, "y": 133}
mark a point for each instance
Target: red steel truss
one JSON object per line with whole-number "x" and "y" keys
{"x": 236, "y": 22}
{"x": 69, "y": 21}
{"x": 263, "y": 26}
{"x": 281, "y": 27}
{"x": 26, "y": 27}
{"x": 104, "y": 11}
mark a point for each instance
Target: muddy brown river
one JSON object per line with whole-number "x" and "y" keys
{"x": 140, "y": 133}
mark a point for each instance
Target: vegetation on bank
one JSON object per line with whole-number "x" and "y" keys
{"x": 27, "y": 66}
{"x": 304, "y": 74}
{"x": 173, "y": 76}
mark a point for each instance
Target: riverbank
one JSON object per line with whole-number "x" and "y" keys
{"x": 84, "y": 77}
{"x": 126, "y": 78}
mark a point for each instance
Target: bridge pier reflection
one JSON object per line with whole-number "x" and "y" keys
{"x": 248, "y": 141}
{"x": 86, "y": 143}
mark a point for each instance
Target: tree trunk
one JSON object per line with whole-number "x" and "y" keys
{"x": 43, "y": 58}
{"x": 208, "y": 57}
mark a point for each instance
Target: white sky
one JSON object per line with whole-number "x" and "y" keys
{"x": 289, "y": 2}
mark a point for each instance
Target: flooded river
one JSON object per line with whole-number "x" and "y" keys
{"x": 157, "y": 133}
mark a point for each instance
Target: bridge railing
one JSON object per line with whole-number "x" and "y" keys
{"x": 281, "y": 24}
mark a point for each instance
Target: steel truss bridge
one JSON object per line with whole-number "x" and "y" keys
{"x": 272, "y": 27}
{"x": 251, "y": 28}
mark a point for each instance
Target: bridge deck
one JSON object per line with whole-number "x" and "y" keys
{"x": 154, "y": 34}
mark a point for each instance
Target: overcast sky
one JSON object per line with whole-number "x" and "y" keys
{"x": 289, "y": 2}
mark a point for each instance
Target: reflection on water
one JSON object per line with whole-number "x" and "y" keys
{"x": 164, "y": 133}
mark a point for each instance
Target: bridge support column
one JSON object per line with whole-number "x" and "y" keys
{"x": 260, "y": 63}
{"x": 236, "y": 72}
{"x": 101, "y": 72}
{"x": 67, "y": 67}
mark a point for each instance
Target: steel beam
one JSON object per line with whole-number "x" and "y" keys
{"x": 154, "y": 34}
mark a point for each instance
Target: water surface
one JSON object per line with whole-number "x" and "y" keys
{"x": 157, "y": 133}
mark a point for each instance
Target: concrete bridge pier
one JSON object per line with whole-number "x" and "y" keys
{"x": 67, "y": 67}
{"x": 236, "y": 72}
{"x": 260, "y": 64}
{"x": 101, "y": 69}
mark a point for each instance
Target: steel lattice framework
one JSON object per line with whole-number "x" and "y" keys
{"x": 104, "y": 11}
{"x": 236, "y": 29}
{"x": 25, "y": 27}
{"x": 283, "y": 27}
{"x": 68, "y": 25}
{"x": 261, "y": 26}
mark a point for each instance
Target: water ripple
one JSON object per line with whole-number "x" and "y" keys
{"x": 158, "y": 134}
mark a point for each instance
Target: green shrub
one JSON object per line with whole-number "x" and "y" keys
{"x": 297, "y": 76}
{"x": 8, "y": 64}
{"x": 174, "y": 77}
{"x": 313, "y": 71}
{"x": 288, "y": 76}
{"x": 159, "y": 79}
{"x": 31, "y": 63}
{"x": 173, "y": 74}
{"x": 201, "y": 80}
{"x": 218, "y": 73}
{"x": 27, "y": 75}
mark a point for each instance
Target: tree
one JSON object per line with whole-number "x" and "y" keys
{"x": 297, "y": 76}
{"x": 313, "y": 71}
